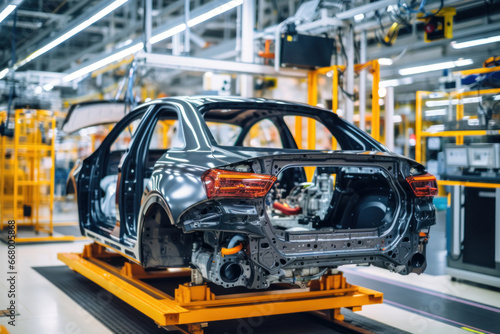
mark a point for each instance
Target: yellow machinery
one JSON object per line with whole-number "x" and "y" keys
{"x": 456, "y": 100}
{"x": 27, "y": 165}
{"x": 439, "y": 25}
{"x": 192, "y": 306}
{"x": 312, "y": 99}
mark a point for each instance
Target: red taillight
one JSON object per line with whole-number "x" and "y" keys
{"x": 226, "y": 183}
{"x": 423, "y": 185}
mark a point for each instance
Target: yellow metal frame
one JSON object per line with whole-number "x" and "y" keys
{"x": 458, "y": 134}
{"x": 23, "y": 177}
{"x": 312, "y": 98}
{"x": 193, "y": 306}
{"x": 312, "y": 94}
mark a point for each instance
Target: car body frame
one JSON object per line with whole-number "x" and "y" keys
{"x": 246, "y": 216}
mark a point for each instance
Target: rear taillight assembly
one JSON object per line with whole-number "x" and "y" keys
{"x": 423, "y": 185}
{"x": 226, "y": 183}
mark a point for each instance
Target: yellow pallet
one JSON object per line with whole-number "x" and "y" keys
{"x": 193, "y": 306}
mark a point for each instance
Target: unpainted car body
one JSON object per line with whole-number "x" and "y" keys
{"x": 247, "y": 216}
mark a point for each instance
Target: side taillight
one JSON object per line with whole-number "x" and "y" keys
{"x": 423, "y": 185}
{"x": 225, "y": 183}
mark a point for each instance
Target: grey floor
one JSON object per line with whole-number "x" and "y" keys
{"x": 43, "y": 308}
{"x": 436, "y": 248}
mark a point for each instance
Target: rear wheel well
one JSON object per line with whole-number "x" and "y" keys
{"x": 162, "y": 243}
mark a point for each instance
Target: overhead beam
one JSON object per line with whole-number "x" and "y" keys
{"x": 204, "y": 65}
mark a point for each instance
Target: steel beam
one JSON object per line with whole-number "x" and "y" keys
{"x": 202, "y": 65}
{"x": 362, "y": 83}
{"x": 148, "y": 23}
{"x": 247, "y": 48}
{"x": 349, "y": 45}
{"x": 389, "y": 118}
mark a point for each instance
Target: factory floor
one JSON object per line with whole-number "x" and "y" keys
{"x": 44, "y": 308}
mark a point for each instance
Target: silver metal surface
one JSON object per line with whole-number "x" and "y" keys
{"x": 456, "y": 220}
{"x": 349, "y": 46}
{"x": 389, "y": 118}
{"x": 362, "y": 83}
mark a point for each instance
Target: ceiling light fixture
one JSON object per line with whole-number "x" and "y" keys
{"x": 385, "y": 61}
{"x": 443, "y": 103}
{"x": 154, "y": 39}
{"x": 395, "y": 82}
{"x": 435, "y": 112}
{"x": 94, "y": 18}
{"x": 6, "y": 11}
{"x": 3, "y": 73}
{"x": 359, "y": 17}
{"x": 103, "y": 62}
{"x": 476, "y": 42}
{"x": 435, "y": 67}
{"x": 214, "y": 12}
{"x": 167, "y": 33}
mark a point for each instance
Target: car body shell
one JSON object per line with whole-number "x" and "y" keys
{"x": 175, "y": 185}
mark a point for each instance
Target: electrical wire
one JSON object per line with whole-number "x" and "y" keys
{"x": 420, "y": 9}
{"x": 410, "y": 45}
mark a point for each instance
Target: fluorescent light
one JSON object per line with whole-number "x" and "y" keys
{"x": 96, "y": 17}
{"x": 3, "y": 73}
{"x": 214, "y": 12}
{"x": 385, "y": 61}
{"x": 7, "y": 10}
{"x": 48, "y": 87}
{"x": 435, "y": 112}
{"x": 436, "y": 128}
{"x": 395, "y": 82}
{"x": 435, "y": 67}
{"x": 475, "y": 42}
{"x": 442, "y": 103}
{"x": 154, "y": 39}
{"x": 359, "y": 17}
{"x": 103, "y": 62}
{"x": 167, "y": 33}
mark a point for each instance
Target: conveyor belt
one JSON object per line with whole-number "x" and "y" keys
{"x": 120, "y": 317}
{"x": 454, "y": 311}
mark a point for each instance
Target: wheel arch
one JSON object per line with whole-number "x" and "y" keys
{"x": 152, "y": 203}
